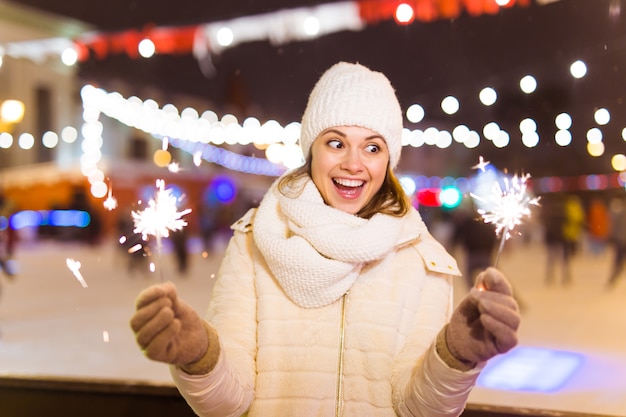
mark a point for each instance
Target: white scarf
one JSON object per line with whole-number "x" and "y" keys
{"x": 315, "y": 251}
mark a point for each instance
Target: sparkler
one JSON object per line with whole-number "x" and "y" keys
{"x": 507, "y": 205}
{"x": 74, "y": 266}
{"x": 161, "y": 216}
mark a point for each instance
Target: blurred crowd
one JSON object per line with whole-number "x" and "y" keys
{"x": 566, "y": 224}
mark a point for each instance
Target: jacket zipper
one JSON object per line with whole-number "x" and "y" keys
{"x": 342, "y": 338}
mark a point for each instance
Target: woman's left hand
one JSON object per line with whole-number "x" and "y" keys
{"x": 485, "y": 323}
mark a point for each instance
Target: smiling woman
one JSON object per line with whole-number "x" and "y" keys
{"x": 290, "y": 329}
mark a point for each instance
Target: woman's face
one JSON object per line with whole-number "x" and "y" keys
{"x": 348, "y": 166}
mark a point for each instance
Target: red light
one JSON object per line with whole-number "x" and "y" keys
{"x": 428, "y": 197}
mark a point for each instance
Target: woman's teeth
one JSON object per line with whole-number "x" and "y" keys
{"x": 349, "y": 183}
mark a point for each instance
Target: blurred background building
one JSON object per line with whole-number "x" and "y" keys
{"x": 118, "y": 94}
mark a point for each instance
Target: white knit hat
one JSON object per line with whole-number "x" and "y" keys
{"x": 353, "y": 95}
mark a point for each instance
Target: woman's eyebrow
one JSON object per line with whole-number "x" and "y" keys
{"x": 339, "y": 132}
{"x": 342, "y": 134}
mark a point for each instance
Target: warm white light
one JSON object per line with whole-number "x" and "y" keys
{"x": 311, "y": 26}
{"x": 602, "y": 116}
{"x": 415, "y": 113}
{"x": 404, "y": 13}
{"x": 450, "y": 105}
{"x": 473, "y": 140}
{"x": 491, "y": 130}
{"x": 618, "y": 162}
{"x": 189, "y": 115}
{"x": 408, "y": 184}
{"x": 528, "y": 125}
{"x": 530, "y": 139}
{"x": 563, "y": 121}
{"x": 229, "y": 119}
{"x": 69, "y": 57}
{"x": 12, "y": 111}
{"x": 488, "y": 96}
{"x": 595, "y": 149}
{"x": 502, "y": 139}
{"x": 578, "y": 69}
{"x": 225, "y": 36}
{"x": 274, "y": 153}
{"x": 444, "y": 140}
{"x": 50, "y": 139}
{"x": 292, "y": 156}
{"x": 431, "y": 136}
{"x": 460, "y": 133}
{"x": 292, "y": 132}
{"x": 563, "y": 137}
{"x": 6, "y": 140}
{"x": 99, "y": 189}
{"x": 146, "y": 48}
{"x": 69, "y": 134}
{"x": 594, "y": 135}
{"x": 503, "y": 3}
{"x": 93, "y": 129}
{"x": 417, "y": 138}
{"x": 26, "y": 141}
{"x": 528, "y": 84}
{"x": 91, "y": 114}
{"x": 95, "y": 176}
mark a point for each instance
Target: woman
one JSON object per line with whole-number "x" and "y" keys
{"x": 332, "y": 297}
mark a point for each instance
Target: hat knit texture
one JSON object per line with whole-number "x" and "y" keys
{"x": 353, "y": 95}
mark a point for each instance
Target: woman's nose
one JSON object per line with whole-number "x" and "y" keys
{"x": 352, "y": 160}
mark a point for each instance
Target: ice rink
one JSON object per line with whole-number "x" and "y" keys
{"x": 51, "y": 325}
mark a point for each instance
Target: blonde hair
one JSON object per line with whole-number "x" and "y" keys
{"x": 390, "y": 198}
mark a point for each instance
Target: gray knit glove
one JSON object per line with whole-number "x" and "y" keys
{"x": 167, "y": 329}
{"x": 485, "y": 322}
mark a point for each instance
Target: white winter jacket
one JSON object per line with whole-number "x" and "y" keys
{"x": 371, "y": 353}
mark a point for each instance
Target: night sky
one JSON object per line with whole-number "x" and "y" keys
{"x": 424, "y": 61}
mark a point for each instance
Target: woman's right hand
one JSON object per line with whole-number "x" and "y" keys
{"x": 167, "y": 329}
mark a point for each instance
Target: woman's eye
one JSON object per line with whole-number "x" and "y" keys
{"x": 334, "y": 143}
{"x": 372, "y": 148}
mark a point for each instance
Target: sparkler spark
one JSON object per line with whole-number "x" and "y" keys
{"x": 160, "y": 216}
{"x": 508, "y": 205}
{"x": 111, "y": 202}
{"x": 173, "y": 167}
{"x": 482, "y": 164}
{"x": 74, "y": 266}
{"x": 197, "y": 158}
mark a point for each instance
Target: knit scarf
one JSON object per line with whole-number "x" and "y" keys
{"x": 315, "y": 251}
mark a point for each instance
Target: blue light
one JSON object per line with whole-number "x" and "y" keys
{"x": 222, "y": 189}
{"x": 530, "y": 369}
{"x": 59, "y": 218}
{"x": 26, "y": 218}
{"x": 69, "y": 218}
